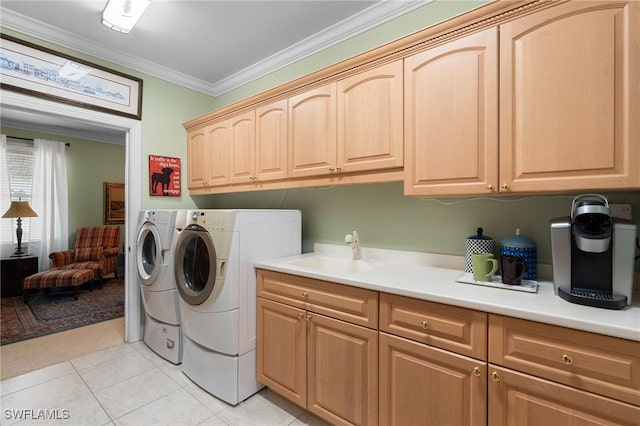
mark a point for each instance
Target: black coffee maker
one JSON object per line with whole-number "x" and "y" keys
{"x": 593, "y": 255}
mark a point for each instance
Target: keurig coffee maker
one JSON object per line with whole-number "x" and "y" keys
{"x": 593, "y": 255}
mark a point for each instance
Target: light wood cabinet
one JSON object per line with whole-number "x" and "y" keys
{"x": 566, "y": 92}
{"x": 569, "y": 92}
{"x": 451, "y": 117}
{"x": 271, "y": 141}
{"x": 431, "y": 379}
{"x": 312, "y": 132}
{"x": 208, "y": 156}
{"x": 423, "y": 385}
{"x": 310, "y": 356}
{"x": 524, "y": 400}
{"x": 370, "y": 111}
{"x": 242, "y": 141}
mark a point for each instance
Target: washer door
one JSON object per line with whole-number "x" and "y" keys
{"x": 148, "y": 260}
{"x": 195, "y": 265}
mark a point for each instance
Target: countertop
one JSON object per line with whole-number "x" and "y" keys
{"x": 433, "y": 277}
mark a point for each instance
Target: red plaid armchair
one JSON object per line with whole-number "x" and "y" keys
{"x": 96, "y": 248}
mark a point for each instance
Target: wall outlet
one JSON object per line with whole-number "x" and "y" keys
{"x": 620, "y": 211}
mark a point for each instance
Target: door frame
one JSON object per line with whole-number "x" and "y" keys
{"x": 133, "y": 178}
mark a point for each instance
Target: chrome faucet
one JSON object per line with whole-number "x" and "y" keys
{"x": 353, "y": 240}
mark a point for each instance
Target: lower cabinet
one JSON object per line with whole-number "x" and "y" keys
{"x": 328, "y": 366}
{"x": 353, "y": 356}
{"x": 524, "y": 400}
{"x": 423, "y": 385}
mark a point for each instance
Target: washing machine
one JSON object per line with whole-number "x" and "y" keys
{"x": 157, "y": 235}
{"x": 216, "y": 281}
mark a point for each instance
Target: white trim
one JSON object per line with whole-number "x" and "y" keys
{"x": 133, "y": 129}
{"x": 371, "y": 17}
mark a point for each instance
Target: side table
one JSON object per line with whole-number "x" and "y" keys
{"x": 13, "y": 270}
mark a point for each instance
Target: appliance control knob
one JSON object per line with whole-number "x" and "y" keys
{"x": 194, "y": 216}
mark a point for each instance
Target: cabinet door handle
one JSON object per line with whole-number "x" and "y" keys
{"x": 338, "y": 169}
{"x": 331, "y": 169}
{"x": 505, "y": 187}
{"x": 305, "y": 294}
{"x": 490, "y": 188}
{"x": 476, "y": 371}
{"x": 308, "y": 317}
{"x": 301, "y": 315}
{"x": 566, "y": 359}
{"x": 495, "y": 376}
{"x": 424, "y": 324}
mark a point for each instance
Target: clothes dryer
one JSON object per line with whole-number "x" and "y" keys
{"x": 216, "y": 282}
{"x": 157, "y": 234}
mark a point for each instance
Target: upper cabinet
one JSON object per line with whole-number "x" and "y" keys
{"x": 370, "y": 115}
{"x": 271, "y": 141}
{"x": 569, "y": 98}
{"x": 312, "y": 132}
{"x": 208, "y": 156}
{"x": 451, "y": 117}
{"x": 567, "y": 91}
{"x": 242, "y": 141}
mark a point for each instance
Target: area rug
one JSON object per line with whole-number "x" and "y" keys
{"x": 55, "y": 312}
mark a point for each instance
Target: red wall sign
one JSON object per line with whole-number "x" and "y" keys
{"x": 164, "y": 176}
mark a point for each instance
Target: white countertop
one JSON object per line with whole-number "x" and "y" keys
{"x": 433, "y": 277}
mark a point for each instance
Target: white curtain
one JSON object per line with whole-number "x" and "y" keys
{"x": 50, "y": 199}
{"x": 6, "y": 225}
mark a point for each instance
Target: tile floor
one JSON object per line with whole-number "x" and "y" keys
{"x": 130, "y": 385}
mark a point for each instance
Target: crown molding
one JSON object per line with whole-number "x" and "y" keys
{"x": 369, "y": 18}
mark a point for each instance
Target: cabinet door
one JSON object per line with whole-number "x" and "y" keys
{"x": 370, "y": 120}
{"x": 197, "y": 164}
{"x": 343, "y": 374}
{"x": 523, "y": 400}
{"x": 282, "y": 349}
{"x": 312, "y": 132}
{"x": 271, "y": 141}
{"x": 422, "y": 385}
{"x": 242, "y": 133}
{"x": 569, "y": 92}
{"x": 451, "y": 117}
{"x": 217, "y": 154}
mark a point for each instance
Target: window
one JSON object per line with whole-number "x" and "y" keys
{"x": 19, "y": 159}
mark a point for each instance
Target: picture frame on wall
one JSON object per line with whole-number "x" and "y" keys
{"x": 114, "y": 205}
{"x": 164, "y": 176}
{"x": 37, "y": 71}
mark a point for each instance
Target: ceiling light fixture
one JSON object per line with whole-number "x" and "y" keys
{"x": 122, "y": 15}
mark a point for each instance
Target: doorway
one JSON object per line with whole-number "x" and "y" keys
{"x": 133, "y": 129}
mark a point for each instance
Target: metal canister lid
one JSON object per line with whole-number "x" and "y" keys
{"x": 517, "y": 240}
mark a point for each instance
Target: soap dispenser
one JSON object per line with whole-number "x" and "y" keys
{"x": 524, "y": 247}
{"x": 478, "y": 243}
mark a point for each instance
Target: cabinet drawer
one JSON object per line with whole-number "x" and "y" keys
{"x": 604, "y": 365}
{"x": 459, "y": 330}
{"x": 351, "y": 304}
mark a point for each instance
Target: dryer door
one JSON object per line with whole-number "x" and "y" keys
{"x": 195, "y": 265}
{"x": 148, "y": 254}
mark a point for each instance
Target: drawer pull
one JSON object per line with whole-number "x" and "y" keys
{"x": 424, "y": 324}
{"x": 567, "y": 360}
{"x": 495, "y": 376}
{"x": 476, "y": 371}
{"x": 305, "y": 294}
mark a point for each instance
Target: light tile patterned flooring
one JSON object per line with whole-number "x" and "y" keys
{"x": 130, "y": 385}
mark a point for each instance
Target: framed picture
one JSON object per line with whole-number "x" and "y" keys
{"x": 42, "y": 72}
{"x": 114, "y": 212}
{"x": 164, "y": 176}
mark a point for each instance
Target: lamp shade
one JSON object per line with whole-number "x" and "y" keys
{"x": 19, "y": 209}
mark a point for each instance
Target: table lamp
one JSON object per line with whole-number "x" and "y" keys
{"x": 19, "y": 209}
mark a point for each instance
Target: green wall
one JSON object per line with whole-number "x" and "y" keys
{"x": 89, "y": 165}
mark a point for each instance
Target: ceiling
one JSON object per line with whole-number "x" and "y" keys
{"x": 209, "y": 46}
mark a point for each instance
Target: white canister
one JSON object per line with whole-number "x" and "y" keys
{"x": 477, "y": 244}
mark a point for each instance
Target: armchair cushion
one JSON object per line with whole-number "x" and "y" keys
{"x": 88, "y": 253}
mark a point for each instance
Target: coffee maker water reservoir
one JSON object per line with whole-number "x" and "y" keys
{"x": 593, "y": 255}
